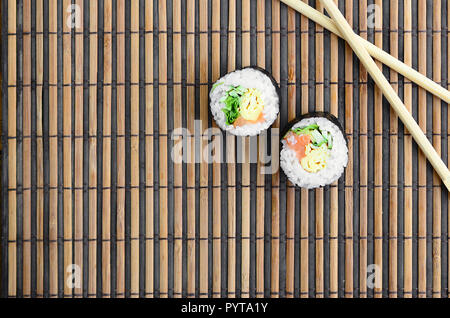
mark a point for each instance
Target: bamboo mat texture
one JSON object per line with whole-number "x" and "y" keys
{"x": 93, "y": 95}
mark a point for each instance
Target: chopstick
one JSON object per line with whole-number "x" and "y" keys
{"x": 357, "y": 45}
{"x": 373, "y": 50}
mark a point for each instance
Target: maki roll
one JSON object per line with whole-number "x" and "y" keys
{"x": 314, "y": 151}
{"x": 245, "y": 102}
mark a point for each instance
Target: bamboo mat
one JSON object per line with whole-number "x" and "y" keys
{"x": 90, "y": 116}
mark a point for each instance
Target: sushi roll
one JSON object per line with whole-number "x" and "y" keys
{"x": 245, "y": 102}
{"x": 314, "y": 151}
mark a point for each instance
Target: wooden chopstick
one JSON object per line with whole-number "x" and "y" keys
{"x": 356, "y": 43}
{"x": 373, "y": 50}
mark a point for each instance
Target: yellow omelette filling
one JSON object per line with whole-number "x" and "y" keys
{"x": 251, "y": 104}
{"x": 315, "y": 159}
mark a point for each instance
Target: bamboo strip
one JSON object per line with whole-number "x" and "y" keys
{"x": 231, "y": 152}
{"x": 106, "y": 197}
{"x": 377, "y": 53}
{"x": 408, "y": 212}
{"x": 363, "y": 160}
{"x": 275, "y": 241}
{"x": 245, "y": 231}
{"x": 217, "y": 231}
{"x": 393, "y": 163}
{"x": 78, "y": 291}
{"x": 178, "y": 168}
{"x": 204, "y": 211}
{"x": 437, "y": 206}
{"x": 53, "y": 148}
{"x": 422, "y": 208}
{"x": 190, "y": 79}
{"x": 121, "y": 150}
{"x": 12, "y": 151}
{"x": 39, "y": 149}
{"x": 378, "y": 164}
{"x": 93, "y": 69}
{"x": 67, "y": 146}
{"x": 290, "y": 195}
{"x": 149, "y": 129}
{"x": 304, "y": 233}
{"x": 334, "y": 280}
{"x": 134, "y": 140}
{"x": 448, "y": 148}
{"x": 260, "y": 206}
{"x": 319, "y": 195}
{"x": 349, "y": 169}
{"x": 163, "y": 180}
{"x": 26, "y": 163}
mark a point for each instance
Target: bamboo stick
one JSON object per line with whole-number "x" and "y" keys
{"x": 448, "y": 149}
{"x": 149, "y": 130}
{"x": 93, "y": 69}
{"x": 407, "y": 268}
{"x": 231, "y": 169}
{"x": 304, "y": 233}
{"x": 333, "y": 188}
{"x": 190, "y": 51}
{"x": 378, "y": 164}
{"x": 393, "y": 163}
{"x": 106, "y": 196}
{"x": 422, "y": 203}
{"x": 121, "y": 151}
{"x": 260, "y": 178}
{"x": 67, "y": 147}
{"x": 217, "y": 231}
{"x": 376, "y": 52}
{"x": 53, "y": 149}
{"x": 204, "y": 211}
{"x": 275, "y": 242}
{"x": 163, "y": 180}
{"x": 290, "y": 195}
{"x": 319, "y": 195}
{"x": 349, "y": 170}
{"x": 178, "y": 168}
{"x": 78, "y": 212}
{"x": 363, "y": 160}
{"x": 437, "y": 206}
{"x": 245, "y": 231}
{"x": 134, "y": 140}
{"x": 12, "y": 151}
{"x": 26, "y": 145}
{"x": 39, "y": 149}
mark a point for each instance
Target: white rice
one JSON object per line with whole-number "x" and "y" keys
{"x": 336, "y": 162}
{"x": 248, "y": 78}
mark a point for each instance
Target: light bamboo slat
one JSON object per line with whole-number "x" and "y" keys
{"x": 393, "y": 161}
{"x": 93, "y": 69}
{"x": 53, "y": 148}
{"x": 363, "y": 160}
{"x": 217, "y": 208}
{"x": 78, "y": 159}
{"x": 204, "y": 210}
{"x": 178, "y": 168}
{"x": 408, "y": 196}
{"x": 134, "y": 144}
{"x": 191, "y": 200}
{"x": 106, "y": 195}
{"x": 12, "y": 150}
{"x": 67, "y": 147}
{"x": 149, "y": 130}
{"x": 121, "y": 150}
